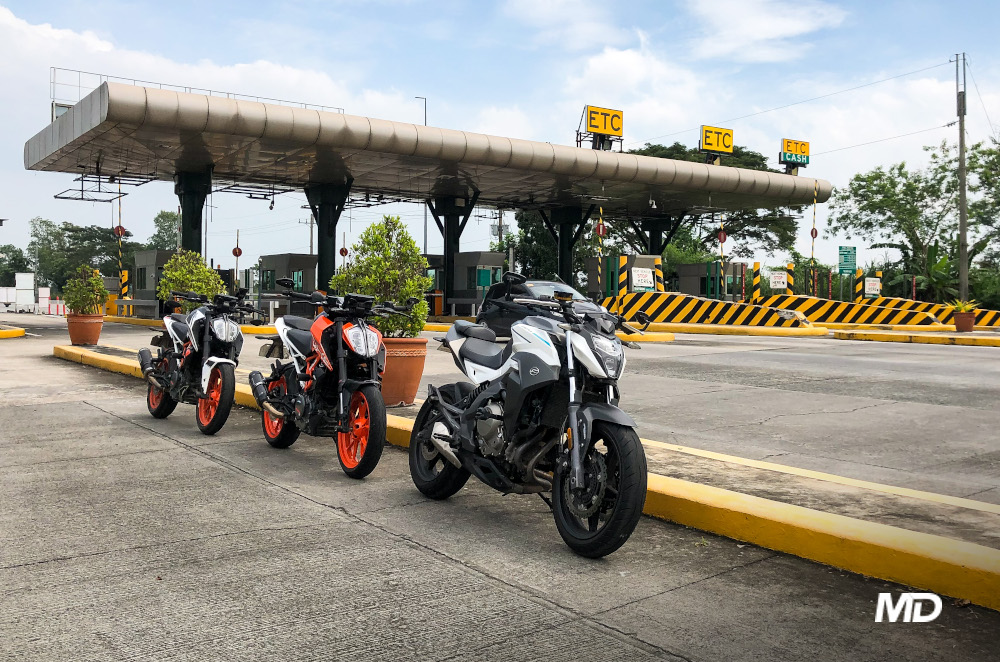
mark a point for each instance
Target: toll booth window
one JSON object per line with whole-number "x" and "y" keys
{"x": 140, "y": 278}
{"x": 470, "y": 278}
{"x": 267, "y": 279}
{"x": 297, "y": 280}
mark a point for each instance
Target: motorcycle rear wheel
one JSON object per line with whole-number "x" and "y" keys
{"x": 602, "y": 519}
{"x": 434, "y": 476}
{"x": 279, "y": 432}
{"x": 158, "y": 402}
{"x": 212, "y": 411}
{"x": 360, "y": 449}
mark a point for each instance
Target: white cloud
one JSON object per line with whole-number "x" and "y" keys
{"x": 572, "y": 25}
{"x": 760, "y": 30}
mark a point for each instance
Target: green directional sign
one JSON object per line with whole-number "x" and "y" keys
{"x": 791, "y": 157}
{"x": 848, "y": 259}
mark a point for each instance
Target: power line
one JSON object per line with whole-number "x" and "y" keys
{"x": 796, "y": 103}
{"x": 882, "y": 140}
{"x": 981, "y": 102}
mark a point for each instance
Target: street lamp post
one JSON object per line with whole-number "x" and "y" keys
{"x": 425, "y": 202}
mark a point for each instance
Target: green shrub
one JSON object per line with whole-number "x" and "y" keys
{"x": 388, "y": 266}
{"x": 185, "y": 271}
{"x": 85, "y": 292}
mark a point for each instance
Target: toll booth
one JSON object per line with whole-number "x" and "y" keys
{"x": 145, "y": 277}
{"x": 623, "y": 274}
{"x": 301, "y": 268}
{"x": 475, "y": 272}
{"x": 713, "y": 280}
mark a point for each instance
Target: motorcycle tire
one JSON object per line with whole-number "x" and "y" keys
{"x": 158, "y": 402}
{"x": 434, "y": 476}
{"x": 212, "y": 411}
{"x": 623, "y": 463}
{"x": 279, "y": 432}
{"x": 360, "y": 449}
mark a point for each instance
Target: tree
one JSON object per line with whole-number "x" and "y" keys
{"x": 750, "y": 229}
{"x": 387, "y": 265}
{"x": 165, "y": 236}
{"x": 12, "y": 260}
{"x": 60, "y": 248}
{"x": 186, "y": 271}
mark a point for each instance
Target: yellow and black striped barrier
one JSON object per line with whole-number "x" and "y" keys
{"x": 755, "y": 287}
{"x": 658, "y": 272}
{"x": 671, "y": 307}
{"x": 622, "y": 275}
{"x": 859, "y": 286}
{"x": 824, "y": 311}
{"x": 790, "y": 278}
{"x": 945, "y": 314}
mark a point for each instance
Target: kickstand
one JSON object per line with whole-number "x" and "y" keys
{"x": 548, "y": 501}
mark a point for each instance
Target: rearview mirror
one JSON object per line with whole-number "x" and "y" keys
{"x": 286, "y": 283}
{"x": 412, "y": 301}
{"x": 317, "y": 298}
{"x": 513, "y": 278}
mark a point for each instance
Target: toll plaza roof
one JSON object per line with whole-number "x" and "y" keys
{"x": 121, "y": 129}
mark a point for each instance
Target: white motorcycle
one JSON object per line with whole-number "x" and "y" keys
{"x": 541, "y": 416}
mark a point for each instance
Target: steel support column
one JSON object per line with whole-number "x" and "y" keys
{"x": 327, "y": 202}
{"x": 566, "y": 225}
{"x": 191, "y": 189}
{"x": 654, "y": 228}
{"x": 451, "y": 214}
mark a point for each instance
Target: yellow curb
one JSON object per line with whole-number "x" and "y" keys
{"x": 959, "y": 502}
{"x": 837, "y": 326}
{"x": 950, "y": 567}
{"x": 921, "y": 338}
{"x": 11, "y": 332}
{"x": 437, "y": 327}
{"x": 247, "y": 329}
{"x": 736, "y": 330}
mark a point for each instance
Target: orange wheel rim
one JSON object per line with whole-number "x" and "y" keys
{"x": 352, "y": 445}
{"x": 208, "y": 405}
{"x": 272, "y": 425}
{"x": 155, "y": 396}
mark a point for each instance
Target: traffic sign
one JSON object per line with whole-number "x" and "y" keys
{"x": 813, "y": 233}
{"x": 716, "y": 140}
{"x": 794, "y": 152}
{"x": 237, "y": 251}
{"x": 779, "y": 280}
{"x": 848, "y": 259}
{"x": 601, "y": 230}
{"x": 343, "y": 252}
{"x": 119, "y": 231}
{"x": 603, "y": 121}
{"x": 722, "y": 236}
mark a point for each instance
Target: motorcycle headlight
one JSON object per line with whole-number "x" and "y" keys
{"x": 611, "y": 353}
{"x": 225, "y": 330}
{"x": 362, "y": 340}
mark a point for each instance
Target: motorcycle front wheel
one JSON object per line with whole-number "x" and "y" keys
{"x": 213, "y": 410}
{"x": 598, "y": 519}
{"x": 360, "y": 449}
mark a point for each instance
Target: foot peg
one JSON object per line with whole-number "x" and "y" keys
{"x": 440, "y": 437}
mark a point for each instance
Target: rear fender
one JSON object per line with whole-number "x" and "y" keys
{"x": 206, "y": 369}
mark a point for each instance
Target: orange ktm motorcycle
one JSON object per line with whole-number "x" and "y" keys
{"x": 333, "y": 384}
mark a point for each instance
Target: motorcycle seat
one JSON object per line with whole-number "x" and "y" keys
{"x": 300, "y": 340}
{"x": 470, "y": 330}
{"x": 487, "y": 354}
{"x": 296, "y": 322}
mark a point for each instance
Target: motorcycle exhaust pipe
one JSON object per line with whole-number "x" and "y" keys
{"x": 146, "y": 365}
{"x": 259, "y": 391}
{"x": 439, "y": 435}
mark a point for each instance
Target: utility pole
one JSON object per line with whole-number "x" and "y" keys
{"x": 963, "y": 208}
{"x": 425, "y": 202}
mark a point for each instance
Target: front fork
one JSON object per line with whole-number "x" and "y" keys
{"x": 577, "y": 441}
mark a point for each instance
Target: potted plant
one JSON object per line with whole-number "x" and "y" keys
{"x": 186, "y": 271}
{"x": 85, "y": 295}
{"x": 964, "y": 315}
{"x": 387, "y": 265}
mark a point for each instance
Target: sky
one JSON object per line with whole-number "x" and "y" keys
{"x": 519, "y": 68}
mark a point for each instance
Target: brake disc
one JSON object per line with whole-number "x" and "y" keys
{"x": 584, "y": 503}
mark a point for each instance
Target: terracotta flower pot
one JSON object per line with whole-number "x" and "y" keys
{"x": 965, "y": 322}
{"x": 404, "y": 365}
{"x": 84, "y": 329}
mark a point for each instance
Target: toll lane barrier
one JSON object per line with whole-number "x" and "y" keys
{"x": 984, "y": 318}
{"x": 825, "y": 311}
{"x": 671, "y": 307}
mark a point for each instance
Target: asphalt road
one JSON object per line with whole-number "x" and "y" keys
{"x": 127, "y": 538}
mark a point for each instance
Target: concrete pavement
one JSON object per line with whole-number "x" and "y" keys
{"x": 263, "y": 553}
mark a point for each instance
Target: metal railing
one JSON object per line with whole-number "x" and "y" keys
{"x": 68, "y": 86}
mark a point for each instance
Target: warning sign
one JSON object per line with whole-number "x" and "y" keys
{"x": 873, "y": 287}
{"x": 642, "y": 280}
{"x": 779, "y": 280}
